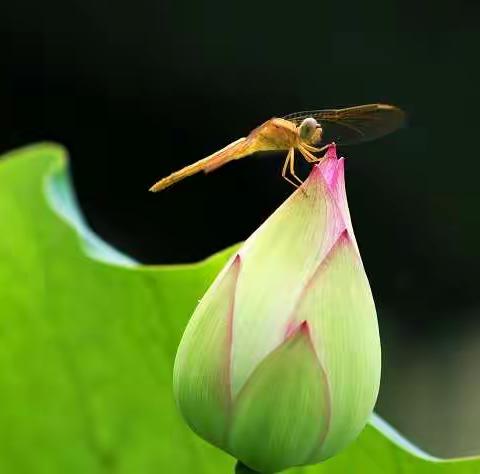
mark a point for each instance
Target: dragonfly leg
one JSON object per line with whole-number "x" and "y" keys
{"x": 308, "y": 156}
{"x": 314, "y": 149}
{"x": 292, "y": 168}
{"x": 285, "y": 166}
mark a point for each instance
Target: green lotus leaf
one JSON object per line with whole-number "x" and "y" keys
{"x": 87, "y": 344}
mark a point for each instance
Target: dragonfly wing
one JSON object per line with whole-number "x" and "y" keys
{"x": 354, "y": 124}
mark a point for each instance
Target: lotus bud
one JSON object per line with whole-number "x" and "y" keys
{"x": 280, "y": 363}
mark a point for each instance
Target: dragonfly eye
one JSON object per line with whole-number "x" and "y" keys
{"x": 307, "y": 128}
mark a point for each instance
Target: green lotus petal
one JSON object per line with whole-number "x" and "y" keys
{"x": 338, "y": 305}
{"x": 282, "y": 412}
{"x": 201, "y": 378}
{"x": 276, "y": 261}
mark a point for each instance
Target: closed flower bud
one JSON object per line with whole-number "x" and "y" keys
{"x": 280, "y": 363}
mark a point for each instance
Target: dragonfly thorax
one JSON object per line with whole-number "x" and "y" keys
{"x": 310, "y": 131}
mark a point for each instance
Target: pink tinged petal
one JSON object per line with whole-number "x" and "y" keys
{"x": 277, "y": 260}
{"x": 282, "y": 412}
{"x": 328, "y": 166}
{"x": 340, "y": 195}
{"x": 201, "y": 379}
{"x": 333, "y": 171}
{"x": 338, "y": 305}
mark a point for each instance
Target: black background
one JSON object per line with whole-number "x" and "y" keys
{"x": 136, "y": 90}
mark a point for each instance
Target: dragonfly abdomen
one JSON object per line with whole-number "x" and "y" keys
{"x": 233, "y": 151}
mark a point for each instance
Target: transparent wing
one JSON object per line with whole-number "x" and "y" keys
{"x": 354, "y": 124}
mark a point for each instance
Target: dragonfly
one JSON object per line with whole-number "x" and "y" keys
{"x": 309, "y": 132}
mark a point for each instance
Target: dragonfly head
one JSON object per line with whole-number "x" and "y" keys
{"x": 310, "y": 131}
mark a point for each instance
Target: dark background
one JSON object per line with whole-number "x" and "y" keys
{"x": 136, "y": 90}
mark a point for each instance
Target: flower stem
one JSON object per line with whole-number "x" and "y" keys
{"x": 240, "y": 468}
